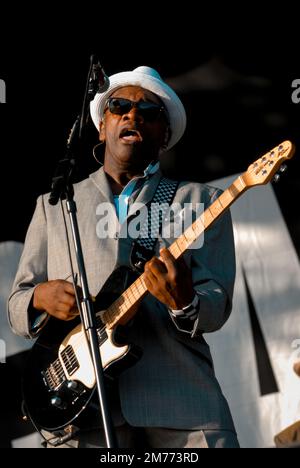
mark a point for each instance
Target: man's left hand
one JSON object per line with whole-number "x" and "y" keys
{"x": 169, "y": 280}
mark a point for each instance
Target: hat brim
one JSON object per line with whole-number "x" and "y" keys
{"x": 171, "y": 101}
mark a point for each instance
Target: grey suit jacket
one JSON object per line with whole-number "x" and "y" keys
{"x": 173, "y": 385}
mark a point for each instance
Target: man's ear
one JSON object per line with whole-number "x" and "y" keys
{"x": 167, "y": 137}
{"x": 102, "y": 130}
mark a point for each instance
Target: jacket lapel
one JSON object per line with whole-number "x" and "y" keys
{"x": 100, "y": 180}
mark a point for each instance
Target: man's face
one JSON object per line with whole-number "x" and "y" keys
{"x": 131, "y": 137}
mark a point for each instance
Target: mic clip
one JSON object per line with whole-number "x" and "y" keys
{"x": 98, "y": 80}
{"x": 94, "y": 80}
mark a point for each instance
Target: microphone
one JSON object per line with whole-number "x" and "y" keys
{"x": 99, "y": 81}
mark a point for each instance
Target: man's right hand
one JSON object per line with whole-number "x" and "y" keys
{"x": 57, "y": 298}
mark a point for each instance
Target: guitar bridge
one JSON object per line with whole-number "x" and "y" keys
{"x": 54, "y": 376}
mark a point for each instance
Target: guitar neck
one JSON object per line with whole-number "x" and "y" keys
{"x": 122, "y": 310}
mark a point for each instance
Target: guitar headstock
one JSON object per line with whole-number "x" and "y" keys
{"x": 265, "y": 168}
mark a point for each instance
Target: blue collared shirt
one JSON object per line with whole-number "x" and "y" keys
{"x": 122, "y": 200}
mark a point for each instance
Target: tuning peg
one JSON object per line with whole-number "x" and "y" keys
{"x": 276, "y": 178}
{"x": 283, "y": 168}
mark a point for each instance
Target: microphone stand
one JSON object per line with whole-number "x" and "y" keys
{"x": 62, "y": 189}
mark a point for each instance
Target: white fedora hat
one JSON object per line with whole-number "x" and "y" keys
{"x": 149, "y": 79}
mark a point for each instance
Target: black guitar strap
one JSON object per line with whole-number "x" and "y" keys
{"x": 143, "y": 247}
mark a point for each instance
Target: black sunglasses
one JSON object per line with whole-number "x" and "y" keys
{"x": 148, "y": 110}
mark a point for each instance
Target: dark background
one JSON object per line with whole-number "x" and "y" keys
{"x": 238, "y": 105}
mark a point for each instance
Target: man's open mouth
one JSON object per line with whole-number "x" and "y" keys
{"x": 130, "y": 135}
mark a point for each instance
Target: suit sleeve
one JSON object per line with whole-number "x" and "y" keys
{"x": 213, "y": 269}
{"x": 32, "y": 270}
